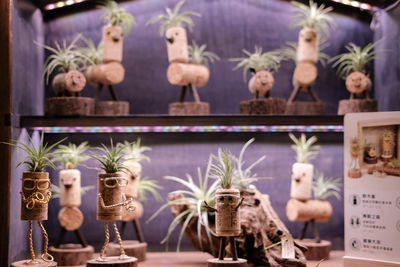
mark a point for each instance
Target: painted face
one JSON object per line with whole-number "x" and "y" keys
{"x": 70, "y": 188}
{"x": 75, "y": 81}
{"x": 110, "y": 188}
{"x": 261, "y": 82}
{"x": 307, "y": 35}
{"x": 112, "y": 44}
{"x": 371, "y": 152}
{"x": 308, "y": 46}
{"x": 302, "y": 175}
{"x": 227, "y": 217}
{"x": 35, "y": 195}
{"x": 177, "y": 46}
{"x": 357, "y": 82}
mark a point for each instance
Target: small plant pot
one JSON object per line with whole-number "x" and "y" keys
{"x": 35, "y": 186}
{"x": 69, "y": 106}
{"x": 305, "y": 108}
{"x": 227, "y": 218}
{"x": 357, "y": 105}
{"x": 70, "y": 188}
{"x": 112, "y": 108}
{"x": 110, "y": 196}
{"x": 189, "y": 108}
{"x": 269, "y": 106}
{"x": 301, "y": 184}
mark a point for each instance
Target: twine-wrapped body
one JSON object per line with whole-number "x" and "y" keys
{"x": 34, "y": 202}
{"x": 110, "y": 196}
{"x": 227, "y": 217}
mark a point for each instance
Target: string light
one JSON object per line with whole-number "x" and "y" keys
{"x": 357, "y": 4}
{"x": 60, "y": 4}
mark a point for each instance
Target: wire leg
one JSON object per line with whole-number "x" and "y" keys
{"x": 45, "y": 256}
{"x": 33, "y": 260}
{"x": 121, "y": 248}
{"x": 107, "y": 232}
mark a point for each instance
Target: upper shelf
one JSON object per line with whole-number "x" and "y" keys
{"x": 165, "y": 123}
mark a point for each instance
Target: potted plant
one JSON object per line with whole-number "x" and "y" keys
{"x": 118, "y": 25}
{"x": 261, "y": 65}
{"x": 111, "y": 198}
{"x": 302, "y": 170}
{"x": 35, "y": 194}
{"x": 315, "y": 23}
{"x": 70, "y": 192}
{"x": 190, "y": 76}
{"x": 352, "y": 66}
{"x": 68, "y": 61}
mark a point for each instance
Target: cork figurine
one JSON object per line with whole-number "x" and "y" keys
{"x": 107, "y": 68}
{"x": 387, "y": 146}
{"x": 188, "y": 66}
{"x": 35, "y": 195}
{"x": 111, "y": 200}
{"x": 352, "y": 66}
{"x": 69, "y": 80}
{"x": 370, "y": 156}
{"x": 70, "y": 216}
{"x": 354, "y": 168}
{"x": 315, "y": 23}
{"x": 227, "y": 204}
{"x": 261, "y": 66}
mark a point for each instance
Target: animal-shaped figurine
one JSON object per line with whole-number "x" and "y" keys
{"x": 112, "y": 40}
{"x": 177, "y": 45}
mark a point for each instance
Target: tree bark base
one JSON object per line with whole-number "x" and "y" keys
{"x": 357, "y": 105}
{"x": 112, "y": 108}
{"x": 316, "y": 251}
{"x": 189, "y": 108}
{"x": 227, "y": 262}
{"x": 270, "y": 106}
{"x": 69, "y": 106}
{"x": 39, "y": 264}
{"x": 305, "y": 108}
{"x": 71, "y": 254}
{"x": 112, "y": 262}
{"x": 132, "y": 248}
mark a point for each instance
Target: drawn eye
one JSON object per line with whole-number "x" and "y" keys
{"x": 177, "y": 33}
{"x": 230, "y": 198}
{"x": 108, "y": 33}
{"x": 304, "y": 174}
{"x": 62, "y": 180}
{"x": 74, "y": 179}
{"x": 221, "y": 198}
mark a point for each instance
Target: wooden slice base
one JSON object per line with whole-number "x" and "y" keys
{"x": 40, "y": 263}
{"x": 112, "y": 262}
{"x": 305, "y": 108}
{"x": 132, "y": 248}
{"x": 69, "y": 106}
{"x": 274, "y": 106}
{"x": 112, "y": 108}
{"x": 354, "y": 173}
{"x": 189, "y": 108}
{"x": 71, "y": 254}
{"x": 357, "y": 105}
{"x": 228, "y": 262}
{"x": 316, "y": 251}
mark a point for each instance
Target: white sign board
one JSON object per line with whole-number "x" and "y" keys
{"x": 372, "y": 188}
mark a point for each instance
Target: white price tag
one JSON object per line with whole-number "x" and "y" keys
{"x": 288, "y": 247}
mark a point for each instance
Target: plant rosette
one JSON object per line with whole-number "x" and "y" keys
{"x": 227, "y": 217}
{"x": 70, "y": 188}
{"x": 302, "y": 177}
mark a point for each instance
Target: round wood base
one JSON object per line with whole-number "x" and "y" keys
{"x": 132, "y": 248}
{"x": 227, "y": 262}
{"x": 40, "y": 263}
{"x": 357, "y": 105}
{"x": 271, "y": 106}
{"x": 305, "y": 108}
{"x": 71, "y": 254}
{"x": 112, "y": 262}
{"x": 69, "y": 106}
{"x": 112, "y": 108}
{"x": 189, "y": 108}
{"x": 355, "y": 173}
{"x": 316, "y": 251}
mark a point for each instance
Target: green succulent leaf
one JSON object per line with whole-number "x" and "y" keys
{"x": 116, "y": 16}
{"x": 147, "y": 185}
{"x": 305, "y": 149}
{"x": 110, "y": 158}
{"x": 324, "y": 187}
{"x": 71, "y": 155}
{"x": 199, "y": 55}
{"x": 134, "y": 150}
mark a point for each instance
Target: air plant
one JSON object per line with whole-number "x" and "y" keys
{"x": 324, "y": 187}
{"x": 116, "y": 16}
{"x": 198, "y": 55}
{"x": 56, "y": 191}
{"x": 289, "y": 52}
{"x": 313, "y": 17}
{"x": 356, "y": 59}
{"x": 134, "y": 151}
{"x": 394, "y": 163}
{"x": 223, "y": 170}
{"x": 305, "y": 149}
{"x": 147, "y": 185}
{"x": 71, "y": 155}
{"x": 258, "y": 61}
{"x": 39, "y": 158}
{"x": 194, "y": 196}
{"x": 64, "y": 58}
{"x": 93, "y": 52}
{"x": 174, "y": 18}
{"x": 110, "y": 159}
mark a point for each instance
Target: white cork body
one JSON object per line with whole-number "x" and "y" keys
{"x": 106, "y": 74}
{"x": 177, "y": 45}
{"x": 110, "y": 196}
{"x": 73, "y": 81}
{"x": 35, "y": 186}
{"x": 301, "y": 185}
{"x": 134, "y": 174}
{"x": 227, "y": 218}
{"x": 70, "y": 188}
{"x": 112, "y": 43}
{"x": 357, "y": 82}
{"x": 261, "y": 82}
{"x": 185, "y": 74}
{"x": 307, "y": 49}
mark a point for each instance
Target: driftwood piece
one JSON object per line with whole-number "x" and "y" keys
{"x": 113, "y": 262}
{"x": 40, "y": 263}
{"x": 71, "y": 218}
{"x": 112, "y": 40}
{"x": 318, "y": 210}
{"x": 304, "y": 74}
{"x": 273, "y": 106}
{"x": 260, "y": 228}
{"x": 316, "y": 251}
{"x": 70, "y": 188}
{"x": 69, "y": 106}
{"x": 107, "y": 74}
{"x": 185, "y": 74}
{"x": 385, "y": 169}
{"x": 71, "y": 254}
{"x": 132, "y": 248}
{"x": 301, "y": 181}
{"x": 305, "y": 108}
{"x": 308, "y": 46}
{"x": 177, "y": 45}
{"x": 112, "y": 108}
{"x": 189, "y": 108}
{"x": 357, "y": 105}
{"x": 73, "y": 81}
{"x": 34, "y": 201}
{"x": 261, "y": 82}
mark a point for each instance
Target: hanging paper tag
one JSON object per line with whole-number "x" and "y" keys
{"x": 288, "y": 247}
